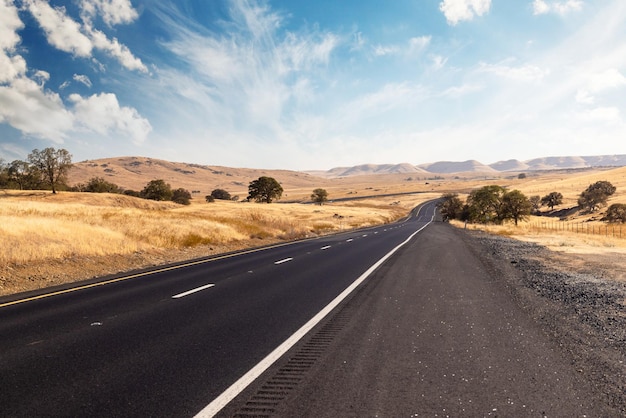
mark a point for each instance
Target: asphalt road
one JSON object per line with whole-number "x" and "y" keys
{"x": 169, "y": 342}
{"x": 430, "y": 334}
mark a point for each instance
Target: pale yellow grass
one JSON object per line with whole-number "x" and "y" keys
{"x": 559, "y": 237}
{"x": 36, "y": 227}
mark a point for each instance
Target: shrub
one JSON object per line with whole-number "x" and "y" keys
{"x": 616, "y": 213}
{"x": 157, "y": 190}
{"x": 181, "y": 196}
{"x": 220, "y": 194}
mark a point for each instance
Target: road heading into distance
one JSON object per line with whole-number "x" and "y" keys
{"x": 171, "y": 341}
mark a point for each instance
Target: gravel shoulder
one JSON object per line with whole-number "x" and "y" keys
{"x": 579, "y": 300}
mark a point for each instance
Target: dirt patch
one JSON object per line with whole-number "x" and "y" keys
{"x": 579, "y": 299}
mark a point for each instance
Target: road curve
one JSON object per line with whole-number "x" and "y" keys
{"x": 167, "y": 342}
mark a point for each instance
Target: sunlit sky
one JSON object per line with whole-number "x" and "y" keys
{"x": 313, "y": 84}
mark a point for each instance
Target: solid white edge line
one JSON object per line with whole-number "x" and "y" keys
{"x": 189, "y": 292}
{"x": 236, "y": 388}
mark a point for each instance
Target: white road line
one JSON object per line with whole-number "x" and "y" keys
{"x": 236, "y": 388}
{"x": 325, "y": 248}
{"x": 349, "y": 240}
{"x": 189, "y": 292}
{"x": 283, "y": 261}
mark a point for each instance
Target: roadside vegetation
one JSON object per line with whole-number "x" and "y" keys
{"x": 39, "y": 229}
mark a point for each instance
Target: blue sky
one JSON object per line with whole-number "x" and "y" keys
{"x": 313, "y": 85}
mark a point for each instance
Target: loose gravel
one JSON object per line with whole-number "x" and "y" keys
{"x": 583, "y": 310}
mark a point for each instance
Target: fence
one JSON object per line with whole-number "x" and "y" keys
{"x": 609, "y": 230}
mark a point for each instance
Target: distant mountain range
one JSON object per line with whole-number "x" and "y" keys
{"x": 473, "y": 166}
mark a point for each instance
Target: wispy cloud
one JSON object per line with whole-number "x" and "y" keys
{"x": 414, "y": 47}
{"x": 83, "y": 79}
{"x": 559, "y": 7}
{"x": 526, "y": 72}
{"x": 254, "y": 76}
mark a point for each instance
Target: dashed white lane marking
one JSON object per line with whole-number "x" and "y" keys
{"x": 283, "y": 261}
{"x": 349, "y": 240}
{"x": 325, "y": 248}
{"x": 189, "y": 292}
{"x": 244, "y": 381}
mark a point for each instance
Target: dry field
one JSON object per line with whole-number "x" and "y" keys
{"x": 53, "y": 239}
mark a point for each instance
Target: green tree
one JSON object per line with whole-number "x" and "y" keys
{"x": 181, "y": 196}
{"x": 21, "y": 173}
{"x": 100, "y": 185}
{"x": 132, "y": 193}
{"x": 319, "y": 196}
{"x": 157, "y": 190}
{"x": 616, "y": 213}
{"x": 450, "y": 206}
{"x": 53, "y": 165}
{"x": 515, "y": 206}
{"x": 485, "y": 204}
{"x": 4, "y": 174}
{"x": 552, "y": 199}
{"x": 264, "y": 189}
{"x": 220, "y": 194}
{"x": 596, "y": 195}
{"x": 535, "y": 201}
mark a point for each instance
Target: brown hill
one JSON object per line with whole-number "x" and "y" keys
{"x": 133, "y": 173}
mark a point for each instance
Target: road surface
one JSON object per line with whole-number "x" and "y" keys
{"x": 168, "y": 342}
{"x": 431, "y": 333}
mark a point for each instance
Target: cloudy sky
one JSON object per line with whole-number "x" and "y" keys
{"x": 313, "y": 84}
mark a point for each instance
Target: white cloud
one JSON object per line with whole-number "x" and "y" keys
{"x": 459, "y": 10}
{"x": 606, "y": 80}
{"x": 62, "y": 31}
{"x": 599, "y": 82}
{"x": 83, "y": 79}
{"x": 413, "y": 47}
{"x": 458, "y": 91}
{"x": 113, "y": 12}
{"x": 115, "y": 50}
{"x": 27, "y": 106}
{"x": 68, "y": 35}
{"x": 526, "y": 72}
{"x": 251, "y": 75}
{"x": 601, "y": 114}
{"x": 540, "y": 7}
{"x": 11, "y": 67}
{"x": 102, "y": 113}
{"x": 9, "y": 24}
{"x": 302, "y": 53}
{"x": 559, "y": 7}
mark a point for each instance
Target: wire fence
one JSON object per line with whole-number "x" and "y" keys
{"x": 608, "y": 230}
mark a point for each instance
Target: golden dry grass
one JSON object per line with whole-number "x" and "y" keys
{"x": 40, "y": 226}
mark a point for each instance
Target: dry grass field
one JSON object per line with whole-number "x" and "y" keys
{"x": 51, "y": 239}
